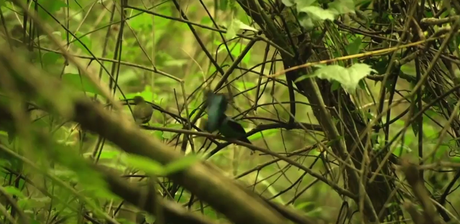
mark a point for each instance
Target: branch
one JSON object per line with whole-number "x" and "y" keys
{"x": 173, "y": 213}
{"x": 238, "y": 205}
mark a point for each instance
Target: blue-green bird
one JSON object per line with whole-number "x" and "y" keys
{"x": 232, "y": 129}
{"x": 216, "y": 106}
{"x": 217, "y": 120}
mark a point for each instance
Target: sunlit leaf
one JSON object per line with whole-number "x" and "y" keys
{"x": 147, "y": 94}
{"x": 232, "y": 29}
{"x": 306, "y": 21}
{"x": 109, "y": 154}
{"x": 318, "y": 12}
{"x": 235, "y": 26}
{"x": 32, "y": 203}
{"x": 243, "y": 26}
{"x": 303, "y": 3}
{"x": 409, "y": 69}
{"x": 303, "y": 205}
{"x": 14, "y": 191}
{"x": 288, "y": 3}
{"x": 348, "y": 77}
{"x": 143, "y": 163}
{"x": 244, "y": 85}
{"x": 140, "y": 20}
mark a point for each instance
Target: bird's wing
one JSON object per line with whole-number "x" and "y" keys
{"x": 143, "y": 113}
{"x": 235, "y": 126}
{"x": 237, "y": 129}
{"x": 146, "y": 111}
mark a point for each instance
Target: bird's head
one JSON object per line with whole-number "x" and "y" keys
{"x": 138, "y": 99}
{"x": 217, "y": 101}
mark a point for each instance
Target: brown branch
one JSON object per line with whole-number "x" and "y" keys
{"x": 420, "y": 192}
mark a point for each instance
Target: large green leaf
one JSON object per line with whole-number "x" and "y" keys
{"x": 348, "y": 77}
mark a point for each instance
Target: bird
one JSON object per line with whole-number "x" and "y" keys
{"x": 216, "y": 107}
{"x": 142, "y": 112}
{"x": 231, "y": 129}
{"x": 217, "y": 120}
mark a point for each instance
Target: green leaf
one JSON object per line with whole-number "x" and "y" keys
{"x": 147, "y": 94}
{"x": 181, "y": 164}
{"x": 304, "y": 3}
{"x": 109, "y": 154}
{"x": 318, "y": 12}
{"x": 240, "y": 85}
{"x": 335, "y": 85}
{"x": 231, "y": 31}
{"x": 353, "y": 47}
{"x": 223, "y": 5}
{"x": 80, "y": 82}
{"x": 235, "y": 49}
{"x": 288, "y": 3}
{"x": 306, "y": 21}
{"x": 155, "y": 168}
{"x": 145, "y": 164}
{"x": 141, "y": 21}
{"x": 441, "y": 152}
{"x": 348, "y": 77}
{"x": 235, "y": 26}
{"x": 51, "y": 7}
{"x": 409, "y": 69}
{"x": 33, "y": 203}
{"x": 50, "y": 58}
{"x": 206, "y": 21}
{"x": 14, "y": 191}
{"x": 243, "y": 26}
{"x": 305, "y": 205}
{"x": 362, "y": 85}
